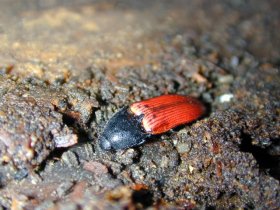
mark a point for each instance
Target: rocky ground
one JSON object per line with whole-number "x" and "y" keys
{"x": 67, "y": 66}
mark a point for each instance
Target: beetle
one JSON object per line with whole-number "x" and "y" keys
{"x": 133, "y": 124}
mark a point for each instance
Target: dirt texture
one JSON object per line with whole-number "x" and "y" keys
{"x": 67, "y": 66}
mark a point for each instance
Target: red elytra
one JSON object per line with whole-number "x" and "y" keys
{"x": 165, "y": 112}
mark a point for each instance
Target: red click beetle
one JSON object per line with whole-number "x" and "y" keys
{"x": 132, "y": 125}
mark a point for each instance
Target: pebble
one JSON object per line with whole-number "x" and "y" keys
{"x": 45, "y": 205}
{"x": 184, "y": 147}
{"x": 98, "y": 116}
{"x": 234, "y": 61}
{"x": 64, "y": 188}
{"x": 70, "y": 158}
{"x": 107, "y": 181}
{"x": 89, "y": 150}
{"x": 225, "y": 79}
{"x": 227, "y": 97}
{"x": 115, "y": 167}
{"x": 137, "y": 172}
{"x": 126, "y": 157}
{"x": 21, "y": 174}
{"x": 95, "y": 167}
{"x": 66, "y": 140}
